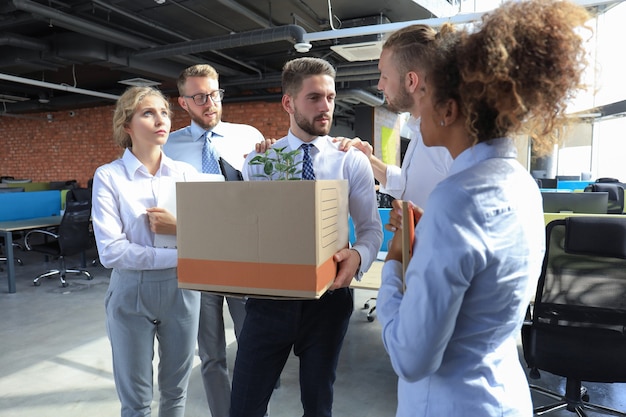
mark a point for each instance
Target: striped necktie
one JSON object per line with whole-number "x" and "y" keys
{"x": 209, "y": 156}
{"x": 307, "y": 163}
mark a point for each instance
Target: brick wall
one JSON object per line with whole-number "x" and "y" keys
{"x": 72, "y": 147}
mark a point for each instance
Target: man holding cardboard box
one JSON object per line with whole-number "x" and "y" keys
{"x": 314, "y": 328}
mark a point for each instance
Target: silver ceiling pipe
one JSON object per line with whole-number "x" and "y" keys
{"x": 67, "y": 88}
{"x": 360, "y": 96}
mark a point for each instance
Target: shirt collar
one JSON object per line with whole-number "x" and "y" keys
{"x": 133, "y": 165}
{"x": 494, "y": 148}
{"x": 198, "y": 133}
{"x": 320, "y": 142}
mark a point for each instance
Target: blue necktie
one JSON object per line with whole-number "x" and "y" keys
{"x": 307, "y": 163}
{"x": 209, "y": 156}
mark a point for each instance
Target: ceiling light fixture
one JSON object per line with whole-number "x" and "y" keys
{"x": 139, "y": 82}
{"x": 159, "y": 1}
{"x": 44, "y": 98}
{"x": 303, "y": 47}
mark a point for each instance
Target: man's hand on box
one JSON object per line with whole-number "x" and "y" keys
{"x": 348, "y": 262}
{"x": 161, "y": 221}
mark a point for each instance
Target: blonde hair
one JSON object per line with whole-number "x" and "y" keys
{"x": 125, "y": 110}
{"x": 199, "y": 70}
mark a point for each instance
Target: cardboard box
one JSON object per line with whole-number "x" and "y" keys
{"x": 261, "y": 238}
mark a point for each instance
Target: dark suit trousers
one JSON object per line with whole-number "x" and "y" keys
{"x": 315, "y": 329}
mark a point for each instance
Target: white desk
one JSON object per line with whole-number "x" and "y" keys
{"x": 371, "y": 279}
{"x": 8, "y": 227}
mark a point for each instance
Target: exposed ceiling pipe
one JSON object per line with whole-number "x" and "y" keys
{"x": 246, "y": 12}
{"x": 361, "y": 96}
{"x": 434, "y": 22}
{"x": 155, "y": 26}
{"x": 348, "y": 72}
{"x": 293, "y": 33}
{"x": 22, "y": 42}
{"x": 67, "y": 88}
{"x": 80, "y": 25}
{"x": 97, "y": 31}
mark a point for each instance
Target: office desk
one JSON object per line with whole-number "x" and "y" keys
{"x": 7, "y": 228}
{"x": 371, "y": 279}
{"x": 548, "y": 217}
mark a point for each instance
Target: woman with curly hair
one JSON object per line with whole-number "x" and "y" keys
{"x": 452, "y": 333}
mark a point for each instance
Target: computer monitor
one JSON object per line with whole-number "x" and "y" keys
{"x": 12, "y": 189}
{"x": 547, "y": 182}
{"x": 566, "y": 202}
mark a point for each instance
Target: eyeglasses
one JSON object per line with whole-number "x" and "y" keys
{"x": 201, "y": 99}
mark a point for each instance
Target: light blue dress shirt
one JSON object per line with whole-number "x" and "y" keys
{"x": 329, "y": 163}
{"x": 479, "y": 249}
{"x": 122, "y": 191}
{"x": 231, "y": 140}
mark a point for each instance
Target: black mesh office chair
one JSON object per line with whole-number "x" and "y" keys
{"x": 72, "y": 237}
{"x": 615, "y": 195}
{"x": 577, "y": 323}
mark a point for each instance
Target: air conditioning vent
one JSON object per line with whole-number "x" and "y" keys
{"x": 362, "y": 51}
{"x": 361, "y": 48}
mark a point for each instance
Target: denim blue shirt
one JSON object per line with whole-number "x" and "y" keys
{"x": 478, "y": 252}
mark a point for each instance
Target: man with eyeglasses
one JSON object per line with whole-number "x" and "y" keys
{"x": 201, "y": 97}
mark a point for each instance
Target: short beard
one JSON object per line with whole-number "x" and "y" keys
{"x": 402, "y": 103}
{"x": 200, "y": 121}
{"x": 309, "y": 127}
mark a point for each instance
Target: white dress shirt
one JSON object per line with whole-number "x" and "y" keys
{"x": 329, "y": 163}
{"x": 422, "y": 169}
{"x": 122, "y": 191}
{"x": 479, "y": 248}
{"x": 231, "y": 140}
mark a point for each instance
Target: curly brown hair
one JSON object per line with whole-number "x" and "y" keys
{"x": 516, "y": 72}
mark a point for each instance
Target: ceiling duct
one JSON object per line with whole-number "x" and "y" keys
{"x": 292, "y": 33}
{"x": 356, "y": 96}
{"x": 361, "y": 48}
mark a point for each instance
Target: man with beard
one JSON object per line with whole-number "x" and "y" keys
{"x": 315, "y": 329}
{"x": 402, "y": 63}
{"x": 205, "y": 140}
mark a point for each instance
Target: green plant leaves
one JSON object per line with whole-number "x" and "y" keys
{"x": 279, "y": 164}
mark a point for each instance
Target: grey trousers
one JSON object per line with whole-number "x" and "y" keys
{"x": 142, "y": 305}
{"x": 212, "y": 348}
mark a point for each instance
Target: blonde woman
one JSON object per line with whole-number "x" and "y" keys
{"x": 143, "y": 300}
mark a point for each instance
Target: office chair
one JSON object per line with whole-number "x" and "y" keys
{"x": 615, "y": 195}
{"x": 72, "y": 237}
{"x": 576, "y": 325}
{"x": 16, "y": 259}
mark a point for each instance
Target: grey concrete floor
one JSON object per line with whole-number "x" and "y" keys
{"x": 55, "y": 358}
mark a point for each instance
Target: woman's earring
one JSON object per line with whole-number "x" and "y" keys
{"x": 442, "y": 123}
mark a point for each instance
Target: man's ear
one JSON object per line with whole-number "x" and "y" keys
{"x": 287, "y": 103}
{"x": 412, "y": 81}
{"x": 182, "y": 103}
